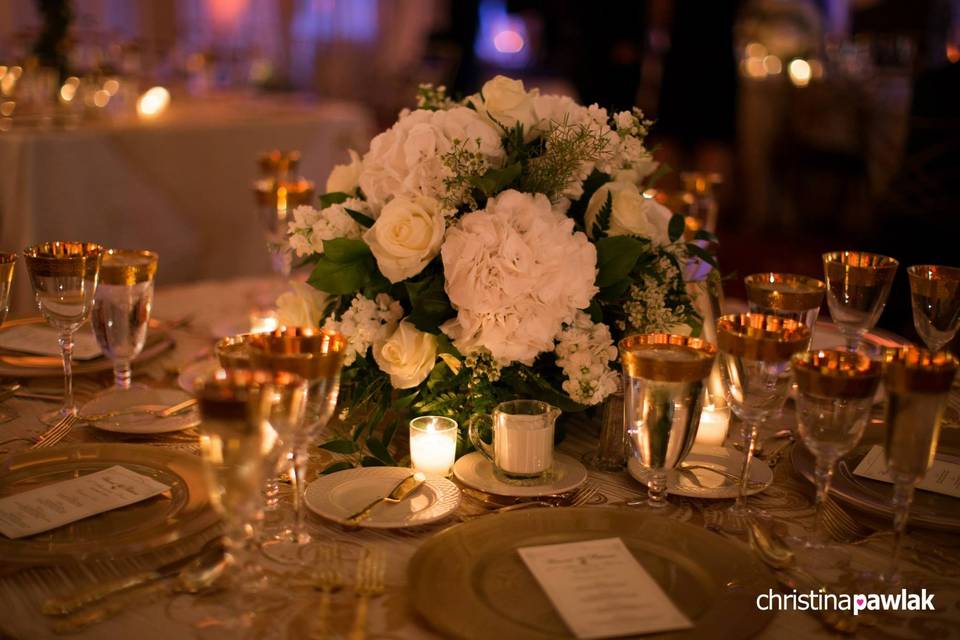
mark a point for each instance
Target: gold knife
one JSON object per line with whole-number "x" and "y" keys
{"x": 403, "y": 489}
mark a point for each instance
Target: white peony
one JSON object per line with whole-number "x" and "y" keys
{"x": 345, "y": 178}
{"x": 505, "y": 102}
{"x": 632, "y": 214}
{"x": 406, "y": 236}
{"x": 364, "y": 323}
{"x": 407, "y": 356}
{"x": 515, "y": 272}
{"x": 407, "y": 158}
{"x": 303, "y": 306}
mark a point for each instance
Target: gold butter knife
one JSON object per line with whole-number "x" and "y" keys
{"x": 403, "y": 489}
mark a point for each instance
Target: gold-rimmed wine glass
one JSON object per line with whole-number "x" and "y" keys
{"x": 64, "y": 278}
{"x": 121, "y": 309}
{"x": 242, "y": 410}
{"x": 917, "y": 383}
{"x": 317, "y": 356}
{"x": 663, "y": 379}
{"x": 858, "y": 284}
{"x": 935, "y": 297}
{"x": 787, "y": 295}
{"x": 835, "y": 394}
{"x": 754, "y": 356}
{"x": 7, "y": 263}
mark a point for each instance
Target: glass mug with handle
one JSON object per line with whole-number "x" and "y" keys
{"x": 522, "y": 446}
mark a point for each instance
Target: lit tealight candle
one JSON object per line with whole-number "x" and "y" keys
{"x": 714, "y": 422}
{"x": 153, "y": 103}
{"x": 263, "y": 321}
{"x": 433, "y": 444}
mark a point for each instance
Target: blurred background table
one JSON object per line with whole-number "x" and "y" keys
{"x": 179, "y": 185}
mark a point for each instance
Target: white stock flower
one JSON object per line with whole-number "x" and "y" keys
{"x": 632, "y": 214}
{"x": 407, "y": 356}
{"x": 365, "y": 322}
{"x": 506, "y": 102}
{"x": 406, "y": 236}
{"x": 303, "y": 306}
{"x": 310, "y": 227}
{"x": 345, "y": 178}
{"x": 515, "y": 272}
{"x": 584, "y": 350}
{"x": 407, "y": 158}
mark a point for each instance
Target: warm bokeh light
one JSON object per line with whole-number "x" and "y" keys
{"x": 772, "y": 65}
{"x": 69, "y": 89}
{"x": 953, "y": 52}
{"x": 799, "y": 71}
{"x": 111, "y": 86}
{"x": 508, "y": 41}
{"x": 754, "y": 67}
{"x": 153, "y": 103}
{"x": 755, "y": 50}
{"x": 101, "y": 98}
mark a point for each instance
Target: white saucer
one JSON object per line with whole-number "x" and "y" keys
{"x": 476, "y": 471}
{"x": 141, "y": 423}
{"x": 714, "y": 485}
{"x": 190, "y": 373}
{"x": 340, "y": 495}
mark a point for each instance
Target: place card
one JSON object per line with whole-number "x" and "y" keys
{"x": 600, "y": 590}
{"x": 55, "y": 505}
{"x": 42, "y": 339}
{"x": 943, "y": 477}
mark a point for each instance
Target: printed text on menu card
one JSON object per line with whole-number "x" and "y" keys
{"x": 600, "y": 590}
{"x": 943, "y": 477}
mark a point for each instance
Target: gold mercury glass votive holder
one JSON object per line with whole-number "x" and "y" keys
{"x": 433, "y": 444}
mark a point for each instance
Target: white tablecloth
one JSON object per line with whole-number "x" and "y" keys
{"x": 180, "y": 186}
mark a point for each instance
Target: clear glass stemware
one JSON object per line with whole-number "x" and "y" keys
{"x": 858, "y": 284}
{"x": 786, "y": 295}
{"x": 7, "y": 263}
{"x": 935, "y": 296}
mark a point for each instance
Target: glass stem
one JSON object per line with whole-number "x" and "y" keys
{"x": 66, "y": 351}
{"x": 657, "y": 489}
{"x": 749, "y": 433}
{"x": 902, "y": 499}
{"x": 298, "y": 477}
{"x": 852, "y": 339}
{"x": 122, "y": 374}
{"x": 823, "y": 475}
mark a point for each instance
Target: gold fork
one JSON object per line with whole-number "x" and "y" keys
{"x": 840, "y": 525}
{"x": 369, "y": 583}
{"x": 580, "y": 497}
{"x": 328, "y": 579}
{"x": 56, "y": 433}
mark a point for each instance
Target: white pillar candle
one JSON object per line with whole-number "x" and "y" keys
{"x": 714, "y": 422}
{"x": 433, "y": 444}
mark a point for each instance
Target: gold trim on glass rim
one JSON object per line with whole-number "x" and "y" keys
{"x": 912, "y": 369}
{"x": 805, "y": 292}
{"x": 758, "y": 336}
{"x": 7, "y": 263}
{"x": 836, "y": 374}
{"x": 934, "y": 280}
{"x": 63, "y": 258}
{"x": 309, "y": 352}
{"x": 227, "y": 393}
{"x": 233, "y": 352}
{"x": 116, "y": 267}
{"x": 859, "y": 267}
{"x": 639, "y": 363}
{"x": 286, "y": 195}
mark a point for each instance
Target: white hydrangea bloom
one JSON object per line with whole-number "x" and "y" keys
{"x": 629, "y": 158}
{"x": 309, "y": 227}
{"x": 365, "y": 322}
{"x": 584, "y": 350}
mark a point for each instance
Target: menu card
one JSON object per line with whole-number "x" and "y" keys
{"x": 600, "y": 590}
{"x": 943, "y": 477}
{"x": 54, "y": 505}
{"x": 42, "y": 339}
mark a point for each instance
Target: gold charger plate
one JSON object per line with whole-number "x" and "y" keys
{"x": 21, "y": 365}
{"x": 469, "y": 582}
{"x": 184, "y": 511}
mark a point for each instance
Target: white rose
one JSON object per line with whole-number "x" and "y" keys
{"x": 301, "y": 307}
{"x": 506, "y": 102}
{"x": 345, "y": 178}
{"x": 632, "y": 214}
{"x": 407, "y": 356}
{"x": 406, "y": 236}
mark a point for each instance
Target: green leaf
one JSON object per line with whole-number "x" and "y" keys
{"x": 703, "y": 234}
{"x": 596, "y": 313}
{"x": 388, "y": 432}
{"x": 339, "y": 446}
{"x": 361, "y": 219}
{"x": 496, "y": 180}
{"x": 346, "y": 250}
{"x": 379, "y": 450}
{"x": 370, "y": 461}
{"x": 334, "y": 197}
{"x": 602, "y": 224}
{"x": 676, "y": 227}
{"x": 699, "y": 252}
{"x": 339, "y": 277}
{"x": 616, "y": 258}
{"x": 429, "y": 304}
{"x": 336, "y": 466}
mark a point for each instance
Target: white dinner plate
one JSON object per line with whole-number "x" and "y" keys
{"x": 701, "y": 483}
{"x": 194, "y": 371}
{"x": 340, "y": 495}
{"x": 476, "y": 471}
{"x": 141, "y": 423}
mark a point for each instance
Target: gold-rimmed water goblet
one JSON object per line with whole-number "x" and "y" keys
{"x": 917, "y": 383}
{"x": 836, "y": 390}
{"x": 754, "y": 356}
{"x": 935, "y": 297}
{"x": 317, "y": 356}
{"x": 121, "y": 310}
{"x": 858, "y": 284}
{"x": 64, "y": 276}
{"x": 787, "y": 295}
{"x": 241, "y": 411}
{"x": 663, "y": 380}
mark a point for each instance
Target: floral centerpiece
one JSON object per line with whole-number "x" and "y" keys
{"x": 489, "y": 249}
